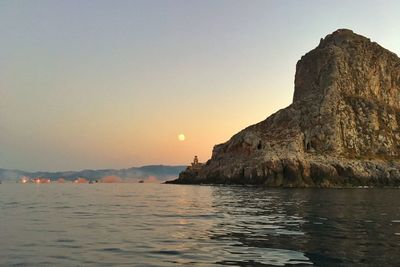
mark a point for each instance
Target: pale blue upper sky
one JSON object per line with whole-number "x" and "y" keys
{"x": 99, "y": 84}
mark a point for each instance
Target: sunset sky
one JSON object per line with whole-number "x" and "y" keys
{"x": 112, "y": 84}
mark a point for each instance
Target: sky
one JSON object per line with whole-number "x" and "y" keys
{"x": 112, "y": 84}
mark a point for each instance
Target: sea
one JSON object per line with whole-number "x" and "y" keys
{"x": 183, "y": 225}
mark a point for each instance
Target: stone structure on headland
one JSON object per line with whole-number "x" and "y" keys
{"x": 195, "y": 166}
{"x": 342, "y": 128}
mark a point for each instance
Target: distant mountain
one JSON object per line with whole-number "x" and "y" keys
{"x": 150, "y": 172}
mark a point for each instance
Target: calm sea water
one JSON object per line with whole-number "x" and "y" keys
{"x": 172, "y": 225}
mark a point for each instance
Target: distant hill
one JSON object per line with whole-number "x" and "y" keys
{"x": 153, "y": 172}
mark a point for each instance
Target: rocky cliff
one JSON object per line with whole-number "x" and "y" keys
{"x": 342, "y": 128}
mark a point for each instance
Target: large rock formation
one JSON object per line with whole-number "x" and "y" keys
{"x": 342, "y": 128}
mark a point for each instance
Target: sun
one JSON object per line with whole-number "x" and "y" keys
{"x": 181, "y": 137}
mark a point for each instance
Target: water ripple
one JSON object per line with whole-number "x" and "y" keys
{"x": 162, "y": 225}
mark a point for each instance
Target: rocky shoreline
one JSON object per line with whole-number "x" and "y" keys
{"x": 342, "y": 129}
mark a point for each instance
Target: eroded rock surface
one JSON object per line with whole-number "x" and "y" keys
{"x": 342, "y": 128}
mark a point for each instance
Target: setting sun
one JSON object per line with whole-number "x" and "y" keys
{"x": 181, "y": 137}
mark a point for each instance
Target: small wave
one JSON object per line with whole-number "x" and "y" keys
{"x": 65, "y": 240}
{"x": 167, "y": 252}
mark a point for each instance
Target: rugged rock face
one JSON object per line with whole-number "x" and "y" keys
{"x": 342, "y": 128}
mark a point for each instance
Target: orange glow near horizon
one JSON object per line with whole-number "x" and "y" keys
{"x": 110, "y": 179}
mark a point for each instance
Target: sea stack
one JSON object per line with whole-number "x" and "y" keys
{"x": 341, "y": 130}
